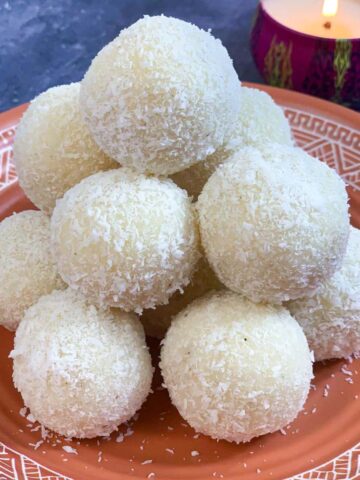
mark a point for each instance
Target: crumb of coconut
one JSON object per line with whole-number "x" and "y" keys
{"x": 313, "y": 387}
{"x": 129, "y": 432}
{"x": 326, "y": 390}
{"x": 65, "y": 459}
{"x": 197, "y": 435}
{"x": 35, "y": 429}
{"x": 120, "y": 438}
{"x": 171, "y": 428}
{"x": 23, "y": 411}
{"x": 100, "y": 456}
{"x": 141, "y": 447}
{"x": 21, "y": 430}
{"x": 345, "y": 371}
{"x": 245, "y": 465}
{"x": 31, "y": 418}
{"x": 195, "y": 453}
{"x": 69, "y": 449}
{"x": 283, "y": 432}
{"x": 169, "y": 450}
{"x": 314, "y": 410}
{"x": 44, "y": 432}
{"x": 356, "y": 397}
{"x": 258, "y": 470}
{"x": 37, "y": 444}
{"x": 146, "y": 462}
{"x": 151, "y": 475}
{"x": 349, "y": 380}
{"x": 332, "y": 375}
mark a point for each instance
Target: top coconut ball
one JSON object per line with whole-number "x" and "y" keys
{"x": 161, "y": 96}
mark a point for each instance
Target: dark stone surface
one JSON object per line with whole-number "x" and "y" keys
{"x": 50, "y": 42}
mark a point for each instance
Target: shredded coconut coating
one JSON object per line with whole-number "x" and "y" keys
{"x": 274, "y": 223}
{"x": 331, "y": 318}
{"x": 260, "y": 121}
{"x": 157, "y": 321}
{"x": 27, "y": 269}
{"x": 236, "y": 370}
{"x": 125, "y": 240}
{"x": 81, "y": 371}
{"x": 53, "y": 149}
{"x": 161, "y": 96}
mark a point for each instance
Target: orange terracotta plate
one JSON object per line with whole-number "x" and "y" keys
{"x": 323, "y": 443}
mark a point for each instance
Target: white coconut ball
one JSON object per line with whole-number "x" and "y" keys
{"x": 331, "y": 318}
{"x": 259, "y": 121}
{"x": 81, "y": 371}
{"x": 157, "y": 320}
{"x": 236, "y": 370}
{"x": 274, "y": 223}
{"x": 53, "y": 149}
{"x": 125, "y": 240}
{"x": 27, "y": 269}
{"x": 161, "y": 96}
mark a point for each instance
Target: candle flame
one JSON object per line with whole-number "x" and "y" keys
{"x": 330, "y": 8}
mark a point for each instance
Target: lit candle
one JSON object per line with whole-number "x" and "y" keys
{"x": 312, "y": 46}
{"x": 321, "y": 18}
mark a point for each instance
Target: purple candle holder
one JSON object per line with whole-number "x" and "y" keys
{"x": 323, "y": 67}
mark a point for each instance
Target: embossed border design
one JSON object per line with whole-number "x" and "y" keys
{"x": 15, "y": 465}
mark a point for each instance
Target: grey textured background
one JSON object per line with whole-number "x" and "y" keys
{"x": 50, "y": 42}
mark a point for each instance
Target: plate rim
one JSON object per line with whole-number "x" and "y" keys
{"x": 319, "y": 106}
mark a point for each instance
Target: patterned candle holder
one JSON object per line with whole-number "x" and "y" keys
{"x": 323, "y": 67}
